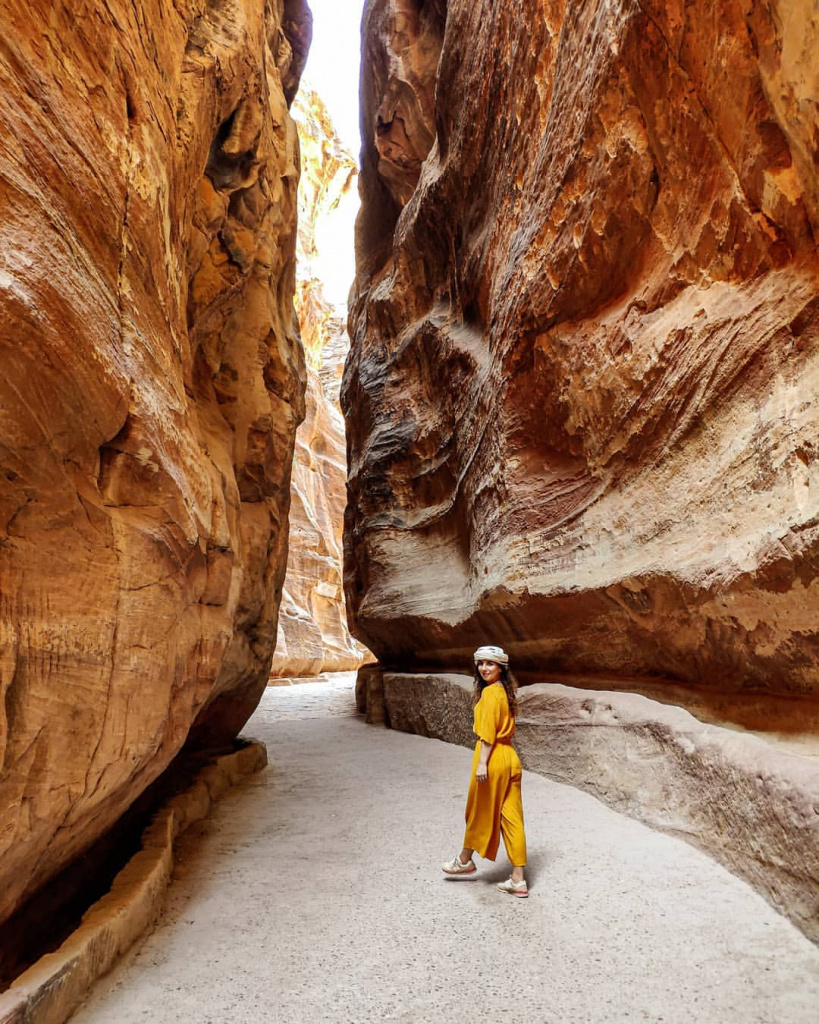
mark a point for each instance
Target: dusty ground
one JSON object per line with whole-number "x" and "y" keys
{"x": 314, "y": 894}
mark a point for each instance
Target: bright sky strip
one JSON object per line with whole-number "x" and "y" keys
{"x": 333, "y": 64}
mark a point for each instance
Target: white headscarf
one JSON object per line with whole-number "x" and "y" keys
{"x": 491, "y": 653}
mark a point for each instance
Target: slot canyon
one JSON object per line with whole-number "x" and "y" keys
{"x": 568, "y": 407}
{"x": 313, "y": 636}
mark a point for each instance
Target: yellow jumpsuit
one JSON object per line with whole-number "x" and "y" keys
{"x": 494, "y": 808}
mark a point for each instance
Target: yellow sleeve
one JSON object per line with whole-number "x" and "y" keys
{"x": 487, "y": 717}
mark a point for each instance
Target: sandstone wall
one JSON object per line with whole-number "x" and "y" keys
{"x": 313, "y": 636}
{"x": 152, "y": 384}
{"x": 581, "y": 395}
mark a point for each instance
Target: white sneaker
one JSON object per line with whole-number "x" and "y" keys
{"x": 514, "y": 888}
{"x": 457, "y": 867}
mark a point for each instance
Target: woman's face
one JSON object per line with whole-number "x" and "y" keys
{"x": 489, "y": 670}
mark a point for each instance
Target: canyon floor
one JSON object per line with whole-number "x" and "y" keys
{"x": 314, "y": 894}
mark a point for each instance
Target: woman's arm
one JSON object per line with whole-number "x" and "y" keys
{"x": 482, "y": 771}
{"x": 487, "y": 730}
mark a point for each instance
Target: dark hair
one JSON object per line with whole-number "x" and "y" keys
{"x": 510, "y": 684}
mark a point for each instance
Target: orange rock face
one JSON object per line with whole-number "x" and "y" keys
{"x": 152, "y": 383}
{"x": 581, "y": 394}
{"x": 313, "y": 633}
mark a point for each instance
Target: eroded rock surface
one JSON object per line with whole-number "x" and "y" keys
{"x": 581, "y": 394}
{"x": 313, "y": 634}
{"x": 152, "y": 384}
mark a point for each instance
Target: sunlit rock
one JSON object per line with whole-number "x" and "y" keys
{"x": 152, "y": 384}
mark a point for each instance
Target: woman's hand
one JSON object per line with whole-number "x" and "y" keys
{"x": 482, "y": 771}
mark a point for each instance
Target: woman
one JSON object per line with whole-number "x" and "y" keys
{"x": 493, "y": 806}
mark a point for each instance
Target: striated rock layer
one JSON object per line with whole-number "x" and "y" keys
{"x": 313, "y": 636}
{"x": 152, "y": 384}
{"x": 585, "y": 340}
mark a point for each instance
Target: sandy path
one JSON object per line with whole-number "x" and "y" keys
{"x": 314, "y": 894}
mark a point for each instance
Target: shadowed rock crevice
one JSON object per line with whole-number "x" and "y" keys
{"x": 232, "y": 158}
{"x": 401, "y": 42}
{"x": 42, "y": 924}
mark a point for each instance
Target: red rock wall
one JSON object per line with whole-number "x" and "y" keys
{"x": 581, "y": 398}
{"x": 152, "y": 384}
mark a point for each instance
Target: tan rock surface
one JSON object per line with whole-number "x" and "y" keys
{"x": 581, "y": 394}
{"x": 152, "y": 383}
{"x": 313, "y": 636}
{"x": 751, "y": 806}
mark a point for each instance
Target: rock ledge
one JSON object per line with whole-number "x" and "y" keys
{"x": 52, "y": 989}
{"x": 752, "y": 807}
